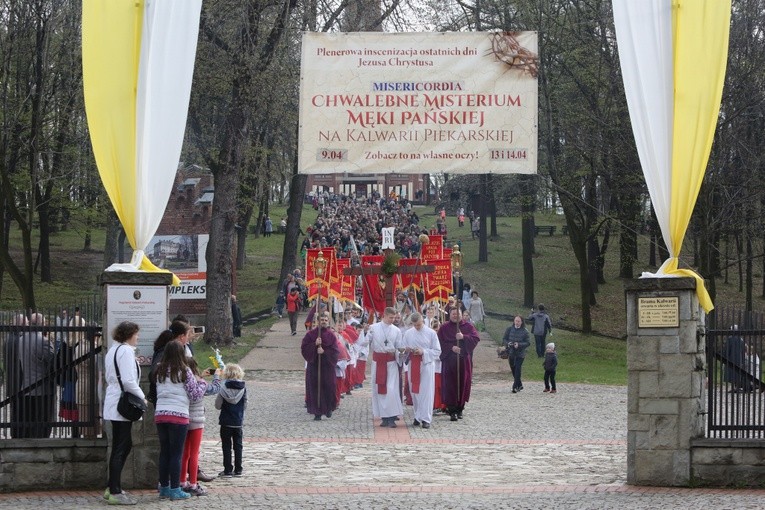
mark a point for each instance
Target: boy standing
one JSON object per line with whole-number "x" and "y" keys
{"x": 550, "y": 364}
{"x": 232, "y": 401}
{"x": 280, "y": 302}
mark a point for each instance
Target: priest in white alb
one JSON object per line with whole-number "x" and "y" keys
{"x": 422, "y": 345}
{"x": 385, "y": 341}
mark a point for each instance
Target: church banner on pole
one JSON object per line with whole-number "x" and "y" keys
{"x": 458, "y": 102}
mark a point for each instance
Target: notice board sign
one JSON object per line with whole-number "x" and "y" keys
{"x": 658, "y": 312}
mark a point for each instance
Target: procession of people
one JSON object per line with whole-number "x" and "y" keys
{"x": 421, "y": 353}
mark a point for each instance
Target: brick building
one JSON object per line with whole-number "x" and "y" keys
{"x": 411, "y": 186}
{"x": 181, "y": 238}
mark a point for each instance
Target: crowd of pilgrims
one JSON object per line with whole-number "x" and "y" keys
{"x": 342, "y": 217}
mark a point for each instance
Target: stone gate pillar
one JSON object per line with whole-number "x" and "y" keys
{"x": 666, "y": 370}
{"x": 140, "y": 471}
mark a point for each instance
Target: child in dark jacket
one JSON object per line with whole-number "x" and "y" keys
{"x": 232, "y": 401}
{"x": 550, "y": 364}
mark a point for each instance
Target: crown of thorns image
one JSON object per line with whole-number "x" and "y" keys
{"x": 506, "y": 48}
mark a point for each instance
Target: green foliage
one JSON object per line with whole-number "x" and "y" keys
{"x": 389, "y": 266}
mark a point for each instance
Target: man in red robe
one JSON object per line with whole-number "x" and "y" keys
{"x": 458, "y": 341}
{"x": 319, "y": 349}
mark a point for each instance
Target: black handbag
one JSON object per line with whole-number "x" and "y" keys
{"x": 130, "y": 406}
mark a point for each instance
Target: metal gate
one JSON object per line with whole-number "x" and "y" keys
{"x": 735, "y": 391}
{"x": 50, "y": 373}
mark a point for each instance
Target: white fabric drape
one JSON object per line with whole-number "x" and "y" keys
{"x": 644, "y": 32}
{"x": 168, "y": 48}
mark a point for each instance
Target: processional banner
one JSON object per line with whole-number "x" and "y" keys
{"x": 312, "y": 278}
{"x": 433, "y": 249}
{"x": 373, "y": 293}
{"x": 438, "y": 284}
{"x": 407, "y": 280}
{"x": 343, "y": 287}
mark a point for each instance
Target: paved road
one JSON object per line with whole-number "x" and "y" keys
{"x": 530, "y": 450}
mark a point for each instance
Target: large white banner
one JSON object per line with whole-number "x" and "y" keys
{"x": 418, "y": 103}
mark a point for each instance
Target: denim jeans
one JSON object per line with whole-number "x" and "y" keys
{"x": 122, "y": 443}
{"x": 231, "y": 437}
{"x": 172, "y": 437}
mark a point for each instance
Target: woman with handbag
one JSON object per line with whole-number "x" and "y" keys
{"x": 122, "y": 374}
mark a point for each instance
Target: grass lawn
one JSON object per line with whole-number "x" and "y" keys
{"x": 599, "y": 358}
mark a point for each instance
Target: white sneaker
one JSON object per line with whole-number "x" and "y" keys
{"x": 121, "y": 499}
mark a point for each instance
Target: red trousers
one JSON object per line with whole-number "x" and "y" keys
{"x": 350, "y": 378}
{"x": 339, "y": 388}
{"x": 437, "y": 403}
{"x": 190, "y": 459}
{"x": 361, "y": 370}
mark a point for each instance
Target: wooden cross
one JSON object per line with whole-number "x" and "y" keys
{"x": 390, "y": 288}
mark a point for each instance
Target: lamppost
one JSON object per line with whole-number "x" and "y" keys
{"x": 456, "y": 268}
{"x": 456, "y": 258}
{"x": 319, "y": 265}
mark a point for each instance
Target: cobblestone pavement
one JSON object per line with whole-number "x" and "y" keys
{"x": 530, "y": 450}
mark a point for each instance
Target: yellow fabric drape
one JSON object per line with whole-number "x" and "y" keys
{"x": 700, "y": 36}
{"x": 111, "y": 32}
{"x": 111, "y": 51}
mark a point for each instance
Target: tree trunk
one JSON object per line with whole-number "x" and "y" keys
{"x": 113, "y": 228}
{"x": 493, "y": 209}
{"x": 749, "y": 276}
{"x": 43, "y": 216}
{"x": 483, "y": 247}
{"x": 763, "y": 277}
{"x": 601, "y": 259}
{"x": 294, "y": 213}
{"x": 241, "y": 239}
{"x": 592, "y": 266}
{"x": 220, "y": 249}
{"x": 527, "y": 237}
{"x": 579, "y": 245}
{"x": 740, "y": 262}
{"x": 727, "y": 258}
{"x": 627, "y": 248}
{"x": 219, "y": 329}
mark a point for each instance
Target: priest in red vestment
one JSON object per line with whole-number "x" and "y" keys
{"x": 321, "y": 354}
{"x": 458, "y": 341}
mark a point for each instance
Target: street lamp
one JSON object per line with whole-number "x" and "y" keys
{"x": 456, "y": 259}
{"x": 456, "y": 268}
{"x": 319, "y": 265}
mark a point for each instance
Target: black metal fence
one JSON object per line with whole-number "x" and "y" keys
{"x": 50, "y": 372}
{"x": 735, "y": 391}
